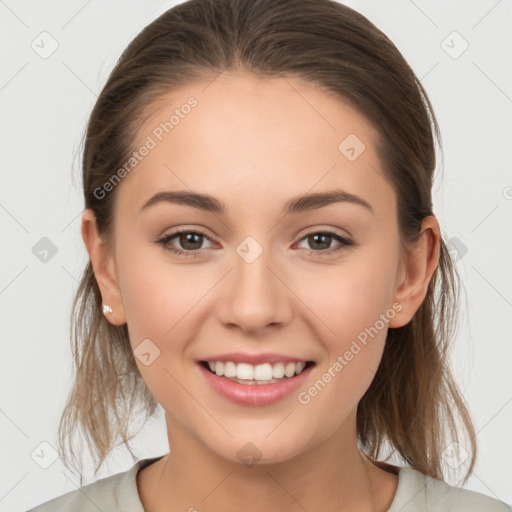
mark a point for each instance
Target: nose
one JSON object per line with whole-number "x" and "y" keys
{"x": 254, "y": 296}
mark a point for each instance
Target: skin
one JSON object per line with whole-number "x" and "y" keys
{"x": 254, "y": 143}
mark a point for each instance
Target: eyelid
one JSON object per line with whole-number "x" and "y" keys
{"x": 315, "y": 228}
{"x": 186, "y": 230}
{"x": 344, "y": 242}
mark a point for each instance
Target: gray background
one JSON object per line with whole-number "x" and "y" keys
{"x": 45, "y": 103}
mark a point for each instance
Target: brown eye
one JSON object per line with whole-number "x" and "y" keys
{"x": 189, "y": 242}
{"x": 320, "y": 243}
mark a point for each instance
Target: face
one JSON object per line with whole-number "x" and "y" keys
{"x": 315, "y": 282}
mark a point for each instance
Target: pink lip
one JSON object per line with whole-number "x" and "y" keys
{"x": 254, "y": 359}
{"x": 254, "y": 394}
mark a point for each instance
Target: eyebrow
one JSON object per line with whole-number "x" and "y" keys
{"x": 303, "y": 203}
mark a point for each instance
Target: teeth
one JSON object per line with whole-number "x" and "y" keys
{"x": 289, "y": 370}
{"x": 257, "y": 374}
{"x": 244, "y": 371}
{"x": 278, "y": 371}
{"x": 263, "y": 372}
{"x": 219, "y": 369}
{"x": 229, "y": 369}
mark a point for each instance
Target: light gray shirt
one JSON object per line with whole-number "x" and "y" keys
{"x": 416, "y": 492}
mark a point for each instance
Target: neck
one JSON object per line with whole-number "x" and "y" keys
{"x": 333, "y": 475}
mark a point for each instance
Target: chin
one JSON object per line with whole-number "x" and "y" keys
{"x": 259, "y": 450}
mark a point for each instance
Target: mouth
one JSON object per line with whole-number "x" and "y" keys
{"x": 262, "y": 374}
{"x": 259, "y": 387}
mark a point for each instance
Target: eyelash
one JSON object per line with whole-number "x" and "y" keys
{"x": 163, "y": 241}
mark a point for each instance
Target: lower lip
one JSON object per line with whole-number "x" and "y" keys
{"x": 255, "y": 394}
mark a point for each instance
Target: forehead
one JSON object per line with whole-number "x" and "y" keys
{"x": 252, "y": 141}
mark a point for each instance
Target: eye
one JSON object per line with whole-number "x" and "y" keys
{"x": 321, "y": 239}
{"x": 189, "y": 240}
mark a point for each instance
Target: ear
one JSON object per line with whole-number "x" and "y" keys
{"x": 102, "y": 261}
{"x": 417, "y": 266}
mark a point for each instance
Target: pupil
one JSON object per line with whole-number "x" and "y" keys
{"x": 188, "y": 238}
{"x": 323, "y": 236}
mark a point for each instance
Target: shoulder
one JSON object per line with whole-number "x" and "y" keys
{"x": 418, "y": 492}
{"x": 114, "y": 493}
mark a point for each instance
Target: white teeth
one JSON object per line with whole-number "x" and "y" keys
{"x": 263, "y": 372}
{"x": 289, "y": 370}
{"x": 245, "y": 371}
{"x": 260, "y": 374}
{"x": 229, "y": 369}
{"x": 278, "y": 371}
{"x": 219, "y": 369}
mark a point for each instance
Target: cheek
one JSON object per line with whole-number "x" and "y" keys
{"x": 351, "y": 296}
{"x": 158, "y": 295}
{"x": 352, "y": 306}
{"x": 352, "y": 329}
{"x": 159, "y": 301}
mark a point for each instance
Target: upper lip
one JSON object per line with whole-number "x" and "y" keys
{"x": 254, "y": 359}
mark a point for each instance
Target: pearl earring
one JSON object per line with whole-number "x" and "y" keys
{"x": 107, "y": 309}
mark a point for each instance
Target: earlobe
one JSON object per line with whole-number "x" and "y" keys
{"x": 102, "y": 261}
{"x": 417, "y": 268}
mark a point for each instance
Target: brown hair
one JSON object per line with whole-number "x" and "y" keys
{"x": 413, "y": 403}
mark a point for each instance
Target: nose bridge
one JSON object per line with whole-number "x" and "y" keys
{"x": 256, "y": 297}
{"x": 252, "y": 266}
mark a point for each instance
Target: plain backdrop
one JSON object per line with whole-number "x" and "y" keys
{"x": 55, "y": 57}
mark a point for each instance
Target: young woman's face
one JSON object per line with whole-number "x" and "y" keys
{"x": 257, "y": 278}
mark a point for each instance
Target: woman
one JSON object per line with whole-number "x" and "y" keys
{"x": 266, "y": 265}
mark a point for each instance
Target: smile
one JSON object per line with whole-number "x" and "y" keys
{"x": 258, "y": 385}
{"x": 265, "y": 373}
